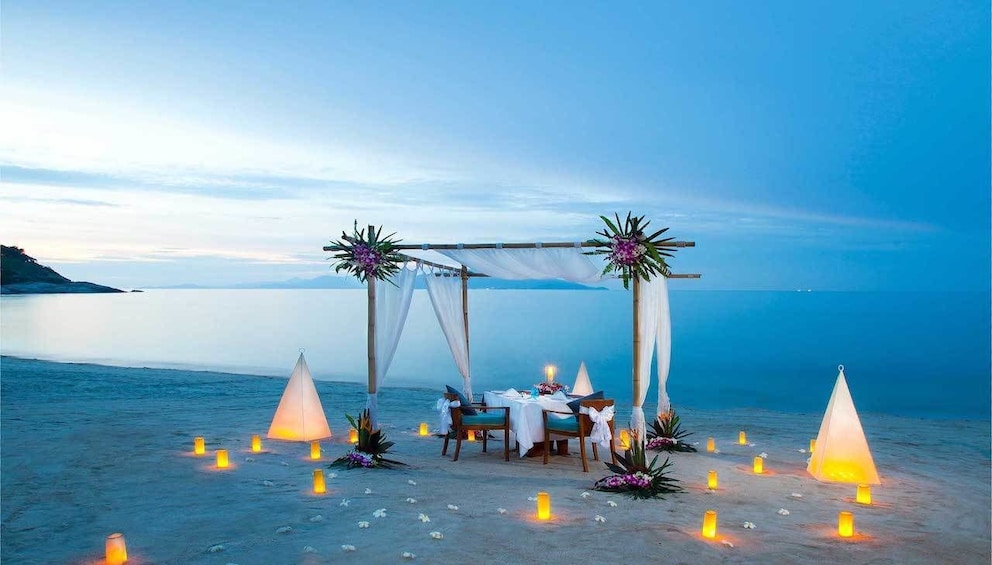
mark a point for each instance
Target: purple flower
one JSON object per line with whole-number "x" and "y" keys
{"x": 625, "y": 252}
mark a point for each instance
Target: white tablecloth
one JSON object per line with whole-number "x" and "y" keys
{"x": 526, "y": 422}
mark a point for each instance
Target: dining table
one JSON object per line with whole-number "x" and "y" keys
{"x": 526, "y": 415}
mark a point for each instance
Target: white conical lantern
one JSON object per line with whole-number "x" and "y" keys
{"x": 299, "y": 417}
{"x": 582, "y": 385}
{"x": 842, "y": 453}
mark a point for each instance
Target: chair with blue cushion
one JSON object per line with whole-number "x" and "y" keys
{"x": 577, "y": 425}
{"x": 470, "y": 418}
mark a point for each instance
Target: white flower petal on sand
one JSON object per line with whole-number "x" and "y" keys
{"x": 600, "y": 518}
{"x": 411, "y": 500}
{"x": 802, "y": 451}
{"x": 347, "y": 547}
{"x": 380, "y": 513}
{"x": 796, "y": 495}
{"x": 749, "y": 525}
{"x": 716, "y": 451}
{"x": 345, "y": 502}
{"x": 611, "y": 503}
{"x": 783, "y": 511}
{"x": 750, "y": 444}
{"x": 284, "y": 530}
{"x": 424, "y": 518}
{"x": 501, "y": 510}
{"x": 309, "y": 549}
{"x": 332, "y": 475}
{"x": 268, "y": 483}
{"x": 727, "y": 543}
{"x": 709, "y": 491}
{"x": 532, "y": 498}
{"x": 408, "y": 555}
{"x": 249, "y": 459}
{"x": 317, "y": 518}
{"x": 437, "y": 535}
{"x": 284, "y": 464}
{"x": 368, "y": 491}
{"x": 363, "y": 524}
{"x": 585, "y": 495}
{"x": 452, "y": 507}
{"x": 763, "y": 455}
{"x": 216, "y": 548}
{"x": 412, "y": 482}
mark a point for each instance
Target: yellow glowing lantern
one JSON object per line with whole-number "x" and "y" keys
{"x": 624, "y": 439}
{"x": 812, "y": 445}
{"x": 741, "y": 438}
{"x": 549, "y": 372}
{"x": 864, "y": 494}
{"x": 222, "y": 462}
{"x": 709, "y": 524}
{"x": 353, "y": 435}
{"x": 711, "y": 480}
{"x": 845, "y": 524}
{"x": 314, "y": 450}
{"x": 256, "y": 443}
{"x": 116, "y": 551}
{"x": 710, "y": 445}
{"x": 471, "y": 435}
{"x": 319, "y": 486}
{"x": 543, "y": 506}
{"x": 759, "y": 465}
{"x": 199, "y": 447}
{"x": 424, "y": 430}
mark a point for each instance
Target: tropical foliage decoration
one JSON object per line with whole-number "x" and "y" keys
{"x": 366, "y": 255}
{"x": 666, "y": 434}
{"x": 630, "y": 253}
{"x": 633, "y": 476}
{"x": 370, "y": 449}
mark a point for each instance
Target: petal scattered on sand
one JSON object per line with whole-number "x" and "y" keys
{"x": 368, "y": 491}
{"x": 802, "y": 451}
{"x": 249, "y": 459}
{"x": 411, "y": 500}
{"x": 309, "y": 549}
{"x": 600, "y": 518}
{"x": 532, "y": 498}
{"x": 727, "y": 543}
{"x": 763, "y": 455}
{"x": 783, "y": 511}
{"x": 716, "y": 451}
{"x": 380, "y": 513}
{"x": 408, "y": 555}
{"x": 437, "y": 535}
{"x": 284, "y": 529}
{"x": 611, "y": 503}
{"x": 452, "y": 507}
{"x": 317, "y": 518}
{"x": 749, "y": 525}
{"x": 751, "y": 444}
{"x": 284, "y": 464}
{"x": 216, "y": 548}
{"x": 424, "y": 518}
{"x": 709, "y": 491}
{"x": 347, "y": 547}
{"x": 501, "y": 510}
{"x": 332, "y": 475}
{"x": 412, "y": 482}
{"x": 585, "y": 495}
{"x": 796, "y": 495}
{"x": 345, "y": 502}
{"x": 363, "y": 524}
{"x": 268, "y": 483}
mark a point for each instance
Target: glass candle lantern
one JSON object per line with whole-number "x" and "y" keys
{"x": 759, "y": 465}
{"x": 741, "y": 438}
{"x": 353, "y": 435}
{"x": 624, "y": 440}
{"x": 711, "y": 480}
{"x": 319, "y": 485}
{"x": 845, "y": 524}
{"x": 709, "y": 524}
{"x": 812, "y": 445}
{"x": 864, "y": 494}
{"x": 543, "y": 506}
{"x": 710, "y": 445}
{"x": 222, "y": 462}
{"x": 314, "y": 450}
{"x": 424, "y": 430}
{"x": 256, "y": 443}
{"x": 199, "y": 447}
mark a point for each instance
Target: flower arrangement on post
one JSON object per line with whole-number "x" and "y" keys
{"x": 629, "y": 252}
{"x": 633, "y": 476}
{"x": 366, "y": 255}
{"x": 371, "y": 446}
{"x": 550, "y": 388}
{"x": 667, "y": 434}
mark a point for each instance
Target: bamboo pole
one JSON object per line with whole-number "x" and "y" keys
{"x": 636, "y": 379}
{"x": 468, "y": 356}
{"x": 426, "y": 246}
{"x": 371, "y": 341}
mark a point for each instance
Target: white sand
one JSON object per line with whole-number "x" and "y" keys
{"x": 90, "y": 450}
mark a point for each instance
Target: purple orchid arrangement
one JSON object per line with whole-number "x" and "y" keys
{"x": 630, "y": 253}
{"x": 366, "y": 256}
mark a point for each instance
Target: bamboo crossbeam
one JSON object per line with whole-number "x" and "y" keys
{"x": 436, "y": 246}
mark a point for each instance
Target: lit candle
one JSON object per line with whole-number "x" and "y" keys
{"x": 845, "y": 524}
{"x": 471, "y": 435}
{"x": 256, "y": 443}
{"x": 116, "y": 550}
{"x": 812, "y": 445}
{"x": 711, "y": 480}
{"x": 549, "y": 372}
{"x": 759, "y": 465}
{"x": 353, "y": 435}
{"x": 864, "y": 494}
{"x": 543, "y": 506}
{"x": 710, "y": 445}
{"x": 624, "y": 439}
{"x": 424, "y": 430}
{"x": 709, "y": 524}
{"x": 319, "y": 486}
{"x": 741, "y": 438}
{"x": 199, "y": 448}
{"x": 222, "y": 459}
{"x": 314, "y": 450}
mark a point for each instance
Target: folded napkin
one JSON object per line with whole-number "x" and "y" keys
{"x": 560, "y": 395}
{"x": 511, "y": 392}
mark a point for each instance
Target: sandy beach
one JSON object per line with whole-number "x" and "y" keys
{"x": 88, "y": 450}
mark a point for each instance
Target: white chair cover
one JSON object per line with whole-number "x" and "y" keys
{"x": 600, "y": 425}
{"x": 444, "y": 407}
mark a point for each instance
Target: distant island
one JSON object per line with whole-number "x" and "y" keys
{"x": 21, "y": 274}
{"x": 338, "y": 282}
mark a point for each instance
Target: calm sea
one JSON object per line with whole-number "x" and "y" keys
{"x": 923, "y": 354}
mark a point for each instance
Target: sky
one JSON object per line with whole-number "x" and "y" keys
{"x": 823, "y": 145}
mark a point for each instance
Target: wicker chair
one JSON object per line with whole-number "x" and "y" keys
{"x": 481, "y": 421}
{"x": 577, "y": 426}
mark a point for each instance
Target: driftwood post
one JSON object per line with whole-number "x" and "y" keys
{"x": 636, "y": 379}
{"x": 465, "y": 321}
{"x": 374, "y": 414}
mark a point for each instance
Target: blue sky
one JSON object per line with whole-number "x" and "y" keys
{"x": 834, "y": 146}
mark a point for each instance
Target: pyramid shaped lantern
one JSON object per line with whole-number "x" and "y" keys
{"x": 299, "y": 417}
{"x": 842, "y": 453}
{"x": 582, "y": 385}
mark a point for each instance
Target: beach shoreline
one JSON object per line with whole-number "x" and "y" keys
{"x": 88, "y": 450}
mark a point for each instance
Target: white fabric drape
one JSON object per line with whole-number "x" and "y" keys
{"x": 664, "y": 343}
{"x": 567, "y": 263}
{"x": 647, "y": 328}
{"x": 392, "y": 303}
{"x": 444, "y": 407}
{"x": 446, "y": 299}
{"x": 601, "y": 425}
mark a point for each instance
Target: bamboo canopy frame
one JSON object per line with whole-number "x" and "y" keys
{"x": 464, "y": 274}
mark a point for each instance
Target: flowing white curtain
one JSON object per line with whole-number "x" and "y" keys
{"x": 446, "y": 299}
{"x": 664, "y": 342}
{"x": 567, "y": 263}
{"x": 647, "y": 328}
{"x": 392, "y": 303}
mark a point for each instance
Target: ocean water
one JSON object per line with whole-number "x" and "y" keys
{"x": 910, "y": 354}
